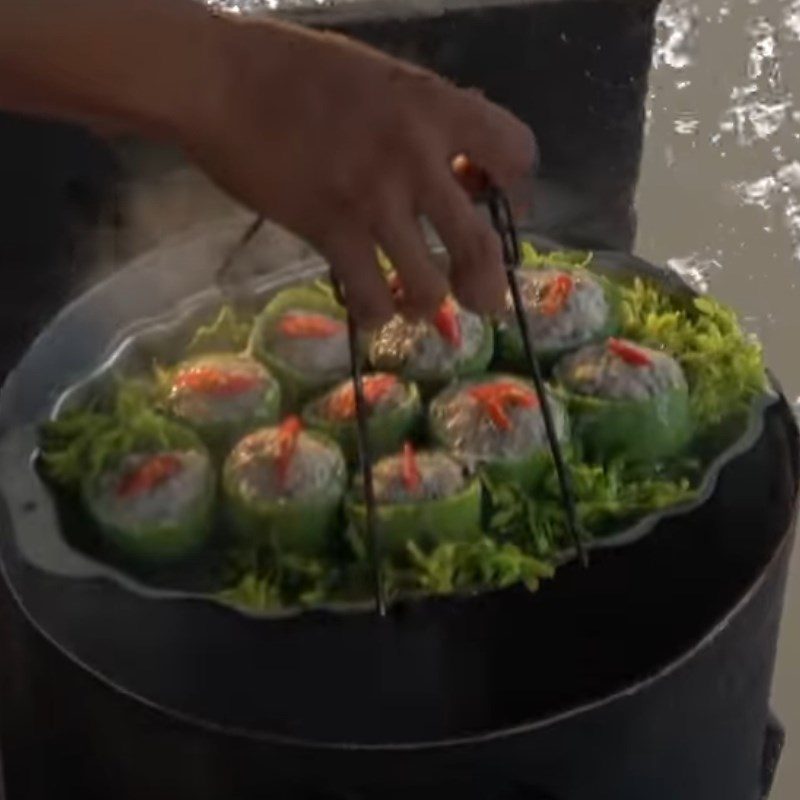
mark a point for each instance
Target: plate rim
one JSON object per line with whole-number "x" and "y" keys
{"x": 88, "y": 568}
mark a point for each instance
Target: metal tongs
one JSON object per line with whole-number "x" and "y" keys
{"x": 503, "y": 222}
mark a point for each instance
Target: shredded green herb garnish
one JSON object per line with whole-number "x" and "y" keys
{"x": 83, "y": 443}
{"x": 264, "y": 577}
{"x": 253, "y": 591}
{"x": 291, "y": 581}
{"x": 270, "y": 581}
{"x": 558, "y": 259}
{"x": 607, "y": 496}
{"x": 723, "y": 365}
{"x": 474, "y": 565}
{"x": 229, "y": 332}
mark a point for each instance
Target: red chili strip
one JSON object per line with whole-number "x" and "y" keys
{"x": 555, "y": 294}
{"x": 309, "y": 326}
{"x": 629, "y": 353}
{"x": 342, "y": 403}
{"x": 412, "y": 477}
{"x": 447, "y": 322}
{"x": 288, "y": 435}
{"x": 209, "y": 380}
{"x": 150, "y": 474}
{"x": 494, "y": 408}
{"x": 497, "y": 398}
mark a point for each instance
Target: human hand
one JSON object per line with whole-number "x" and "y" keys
{"x": 348, "y": 148}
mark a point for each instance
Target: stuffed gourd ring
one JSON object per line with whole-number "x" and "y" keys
{"x": 301, "y": 336}
{"x": 564, "y": 308}
{"x": 394, "y": 414}
{"x": 222, "y": 396}
{"x": 154, "y": 506}
{"x": 425, "y": 497}
{"x": 284, "y": 486}
{"x": 496, "y": 422}
{"x": 626, "y": 401}
{"x": 455, "y": 343}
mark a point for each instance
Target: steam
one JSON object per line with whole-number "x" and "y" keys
{"x": 162, "y": 199}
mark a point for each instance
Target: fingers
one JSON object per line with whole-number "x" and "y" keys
{"x": 477, "y": 271}
{"x": 424, "y": 285}
{"x": 474, "y": 181}
{"x": 353, "y": 260}
{"x": 420, "y": 178}
{"x": 492, "y": 138}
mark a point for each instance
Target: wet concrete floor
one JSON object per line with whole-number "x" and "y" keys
{"x": 719, "y": 199}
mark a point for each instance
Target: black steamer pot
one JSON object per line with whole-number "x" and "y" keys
{"x": 646, "y": 676}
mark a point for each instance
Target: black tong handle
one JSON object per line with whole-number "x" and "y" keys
{"x": 364, "y": 452}
{"x": 503, "y": 222}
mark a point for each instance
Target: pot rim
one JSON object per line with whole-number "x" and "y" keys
{"x": 399, "y": 747}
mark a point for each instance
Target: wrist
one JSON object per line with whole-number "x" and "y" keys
{"x": 142, "y": 64}
{"x": 172, "y": 93}
{"x": 223, "y": 64}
